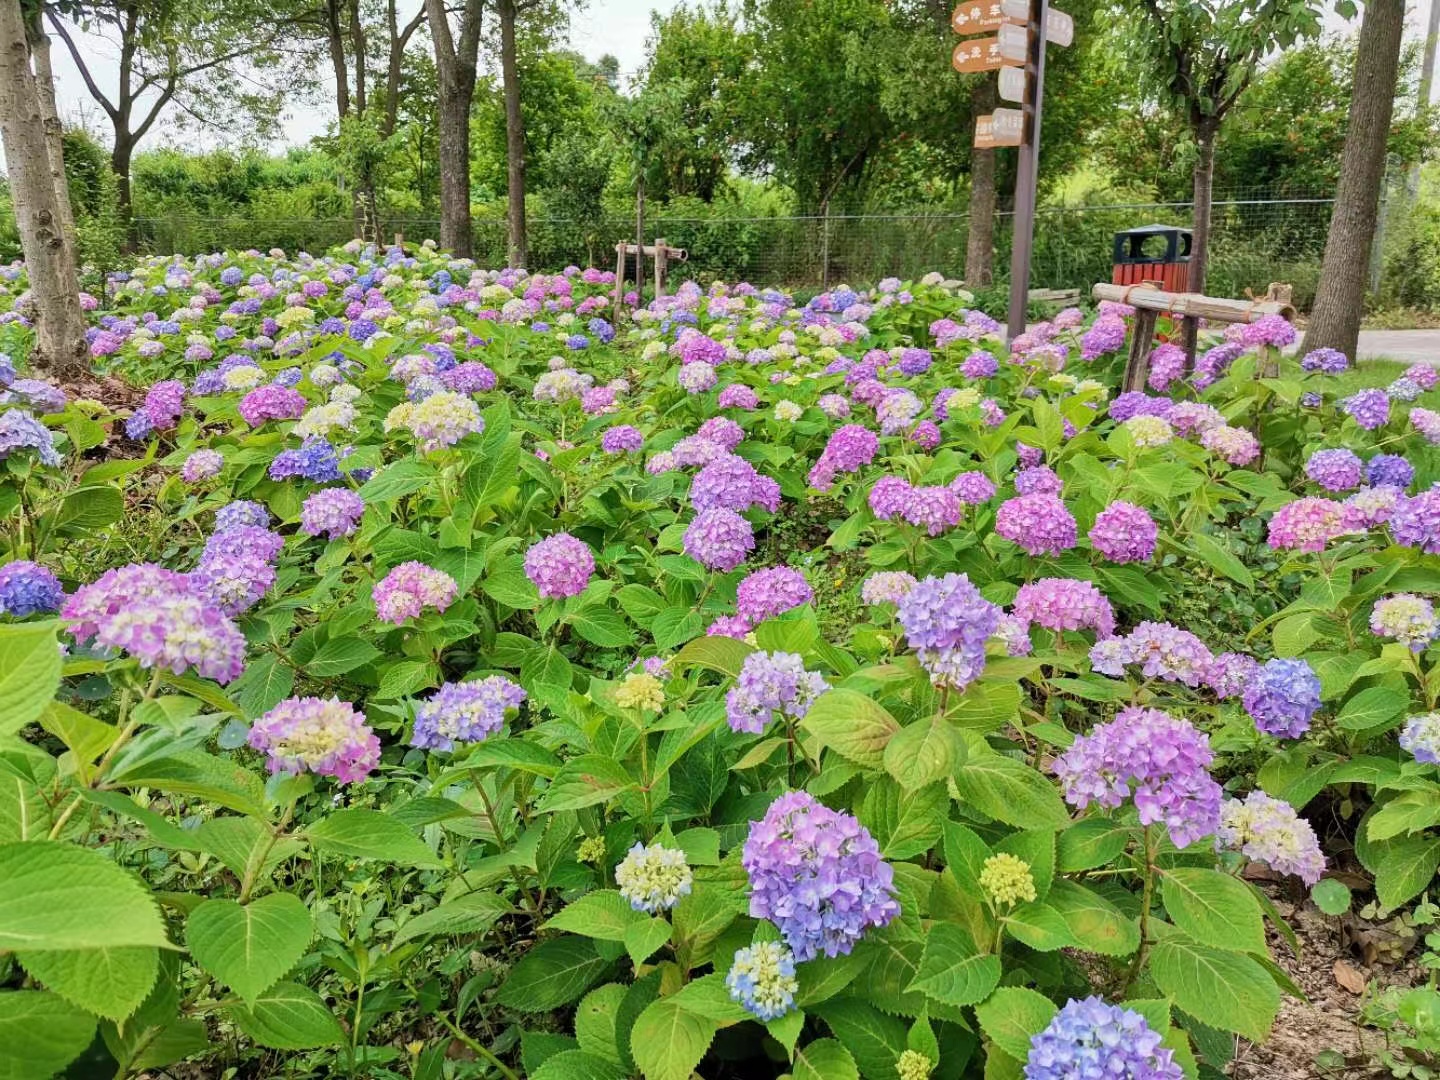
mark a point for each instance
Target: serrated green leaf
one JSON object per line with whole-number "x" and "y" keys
{"x": 824, "y": 1059}
{"x": 288, "y": 1017}
{"x": 369, "y": 834}
{"x": 1213, "y": 908}
{"x": 923, "y": 753}
{"x": 723, "y": 654}
{"x": 552, "y": 974}
{"x": 41, "y": 1033}
{"x": 603, "y": 914}
{"x": 249, "y": 947}
{"x": 1009, "y": 790}
{"x": 643, "y": 938}
{"x": 586, "y": 781}
{"x": 1403, "y": 868}
{"x": 875, "y": 1039}
{"x": 1097, "y": 925}
{"x": 596, "y": 1020}
{"x": 1373, "y": 709}
{"x": 853, "y": 725}
{"x": 340, "y": 656}
{"x": 29, "y": 672}
{"x": 58, "y": 896}
{"x": 468, "y": 913}
{"x": 953, "y": 971}
{"x": 669, "y": 1041}
{"x": 1012, "y": 1016}
{"x": 1226, "y": 990}
{"x": 108, "y": 982}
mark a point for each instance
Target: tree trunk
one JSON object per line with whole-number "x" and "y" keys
{"x": 60, "y": 327}
{"x": 980, "y": 239}
{"x": 514, "y": 137}
{"x": 1340, "y": 296}
{"x": 1204, "y": 178}
{"x": 120, "y": 155}
{"x": 54, "y": 130}
{"x": 455, "y": 80}
{"x": 639, "y": 238}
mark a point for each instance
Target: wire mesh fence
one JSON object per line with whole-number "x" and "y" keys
{"x": 1254, "y": 241}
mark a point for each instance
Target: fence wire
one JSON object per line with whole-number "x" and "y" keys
{"x": 1254, "y": 241}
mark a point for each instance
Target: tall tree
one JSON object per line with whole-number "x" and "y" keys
{"x": 60, "y": 326}
{"x": 1198, "y": 58}
{"x": 202, "y": 60}
{"x": 456, "y": 53}
{"x": 509, "y": 13}
{"x": 39, "y": 43}
{"x": 1340, "y": 296}
{"x": 980, "y": 236}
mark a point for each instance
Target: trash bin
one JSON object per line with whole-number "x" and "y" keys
{"x": 1153, "y": 253}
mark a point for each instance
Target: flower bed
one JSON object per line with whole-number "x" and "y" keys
{"x": 439, "y": 675}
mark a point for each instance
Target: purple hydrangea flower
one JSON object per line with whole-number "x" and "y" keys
{"x": 333, "y": 512}
{"x": 1105, "y": 335}
{"x": 19, "y": 430}
{"x": 973, "y": 488}
{"x": 771, "y": 685}
{"x": 1124, "y": 533}
{"x": 817, "y": 874}
{"x": 1093, "y": 1039}
{"x": 1368, "y": 408}
{"x": 1335, "y": 470}
{"x": 849, "y": 448}
{"x": 979, "y": 365}
{"x": 1416, "y": 521}
{"x": 465, "y": 712}
{"x": 560, "y": 565}
{"x": 889, "y": 496}
{"x": 316, "y": 460}
{"x": 1282, "y": 697}
{"x": 407, "y": 590}
{"x": 946, "y": 621}
{"x": 27, "y": 588}
{"x": 731, "y": 482}
{"x": 770, "y": 592}
{"x": 1306, "y": 524}
{"x": 1389, "y": 470}
{"x": 1325, "y": 361}
{"x": 325, "y": 736}
{"x": 1040, "y": 524}
{"x": 1065, "y": 604}
{"x": 933, "y": 508}
{"x": 271, "y": 402}
{"x": 1160, "y": 759}
{"x": 886, "y": 587}
{"x": 719, "y": 539}
{"x": 241, "y": 512}
{"x": 1039, "y": 479}
{"x": 731, "y": 626}
{"x": 738, "y": 396}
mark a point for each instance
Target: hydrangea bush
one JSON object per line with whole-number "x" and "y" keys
{"x": 435, "y": 672}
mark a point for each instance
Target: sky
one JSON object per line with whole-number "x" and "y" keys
{"x": 617, "y": 27}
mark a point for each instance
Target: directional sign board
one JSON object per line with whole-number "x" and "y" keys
{"x": 1003, "y": 127}
{"x": 1012, "y": 84}
{"x": 977, "y": 16}
{"x": 977, "y": 54}
{"x": 1059, "y": 28}
{"x": 1014, "y": 42}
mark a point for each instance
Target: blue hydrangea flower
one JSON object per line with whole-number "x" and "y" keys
{"x": 1093, "y": 1039}
{"x": 1282, "y": 697}
{"x": 26, "y": 588}
{"x": 316, "y": 461}
{"x": 762, "y": 978}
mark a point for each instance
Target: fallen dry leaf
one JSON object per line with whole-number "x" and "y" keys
{"x": 1349, "y": 976}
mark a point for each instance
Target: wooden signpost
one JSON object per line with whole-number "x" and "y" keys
{"x": 1022, "y": 28}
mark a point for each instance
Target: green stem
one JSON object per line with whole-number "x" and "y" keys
{"x": 1147, "y": 897}
{"x": 484, "y": 1051}
{"x": 490, "y": 816}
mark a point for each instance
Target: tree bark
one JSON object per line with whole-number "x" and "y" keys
{"x": 1340, "y": 296}
{"x": 455, "y": 59}
{"x": 640, "y": 236}
{"x": 1205, "y": 128}
{"x": 980, "y": 238}
{"x": 514, "y": 137}
{"x": 120, "y": 155}
{"x": 54, "y": 130}
{"x": 60, "y": 326}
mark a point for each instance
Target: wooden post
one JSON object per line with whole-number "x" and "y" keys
{"x": 661, "y": 251}
{"x": 1027, "y": 171}
{"x": 619, "y": 276}
{"x": 1137, "y": 366}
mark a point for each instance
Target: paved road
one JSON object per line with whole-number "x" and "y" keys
{"x": 1408, "y": 346}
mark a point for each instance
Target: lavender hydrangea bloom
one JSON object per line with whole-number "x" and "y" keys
{"x": 241, "y": 512}
{"x": 1159, "y": 759}
{"x": 1416, "y": 521}
{"x": 771, "y": 685}
{"x": 1389, "y": 470}
{"x": 886, "y": 587}
{"x": 1037, "y": 479}
{"x": 1040, "y": 524}
{"x": 719, "y": 539}
{"x": 770, "y": 592}
{"x": 1282, "y": 697}
{"x": 1060, "y": 604}
{"x": 1421, "y": 738}
{"x": 201, "y": 465}
{"x": 946, "y": 621}
{"x": 560, "y": 565}
{"x": 1105, "y": 335}
{"x": 1368, "y": 408}
{"x": 933, "y": 508}
{"x": 1093, "y": 1039}
{"x": 848, "y": 449}
{"x": 409, "y": 589}
{"x": 316, "y": 460}
{"x": 325, "y": 736}
{"x": 1335, "y": 470}
{"x": 732, "y": 482}
{"x": 27, "y": 588}
{"x": 271, "y": 402}
{"x": 465, "y": 712}
{"x": 1325, "y": 361}
{"x": 817, "y": 874}
{"x": 973, "y": 488}
{"x": 1124, "y": 533}
{"x": 19, "y": 430}
{"x": 333, "y": 512}
{"x": 1407, "y": 618}
{"x": 621, "y": 439}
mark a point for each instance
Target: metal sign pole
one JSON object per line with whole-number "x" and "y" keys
{"x": 1027, "y": 171}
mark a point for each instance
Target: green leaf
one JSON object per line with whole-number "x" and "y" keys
{"x": 1097, "y": 925}
{"x": 552, "y": 974}
{"x": 1226, "y": 990}
{"x": 824, "y": 1059}
{"x": 668, "y": 1041}
{"x": 1009, "y": 790}
{"x": 904, "y": 823}
{"x": 1040, "y": 926}
{"x": 1373, "y": 708}
{"x": 265, "y": 682}
{"x": 507, "y": 584}
{"x": 577, "y": 1065}
{"x": 1403, "y": 869}
{"x": 601, "y": 626}
{"x": 722, "y": 654}
{"x": 202, "y": 776}
{"x": 954, "y": 971}
{"x": 406, "y": 677}
{"x": 1331, "y": 896}
{"x": 249, "y": 947}
{"x": 675, "y": 625}
{"x": 1219, "y": 558}
{"x": 91, "y": 507}
{"x": 515, "y": 754}
{"x": 854, "y": 726}
{"x": 369, "y": 834}
{"x": 1213, "y": 908}
{"x": 29, "y": 672}
{"x": 109, "y": 982}
{"x": 1090, "y": 843}
{"x": 469, "y": 913}
{"x": 340, "y": 655}
{"x": 288, "y": 1017}
{"x": 1012, "y": 1016}
{"x": 399, "y": 478}
{"x": 596, "y": 1020}
{"x": 604, "y": 914}
{"x": 41, "y": 1033}
{"x": 58, "y": 896}
{"x": 585, "y": 781}
{"x": 923, "y": 753}
{"x": 1408, "y": 813}
{"x": 643, "y": 938}
{"x": 875, "y": 1039}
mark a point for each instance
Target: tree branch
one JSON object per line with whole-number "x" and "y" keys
{"x": 95, "y": 91}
